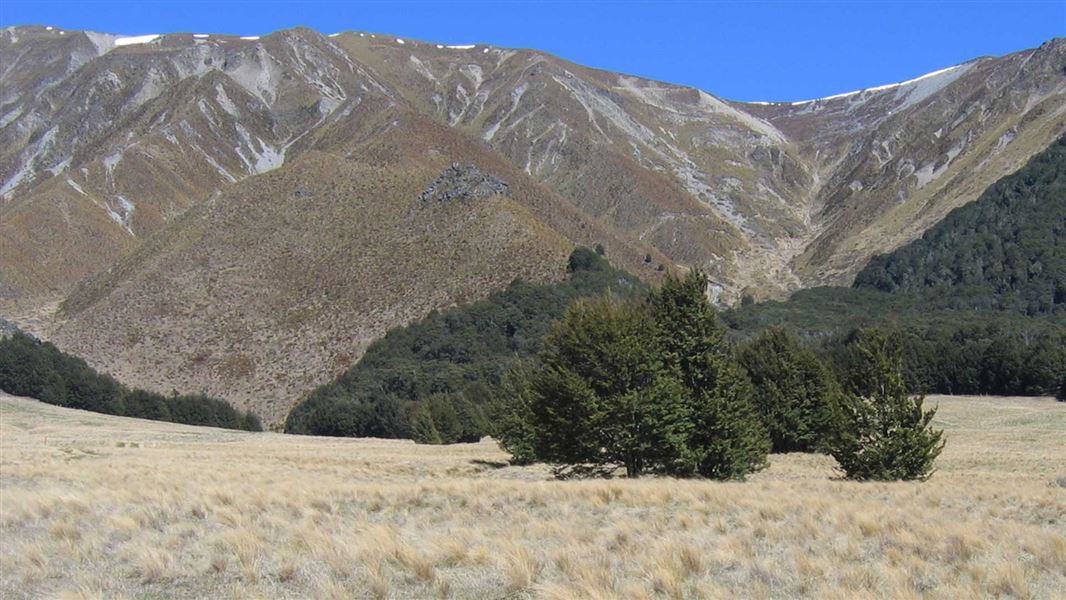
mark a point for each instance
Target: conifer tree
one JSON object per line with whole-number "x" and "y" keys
{"x": 796, "y": 395}
{"x": 602, "y": 397}
{"x": 886, "y": 434}
{"x": 726, "y": 439}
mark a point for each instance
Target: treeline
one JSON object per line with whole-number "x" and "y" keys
{"x": 1006, "y": 250}
{"x": 29, "y": 367}
{"x": 432, "y": 380}
{"x": 979, "y": 359}
{"x": 653, "y": 386}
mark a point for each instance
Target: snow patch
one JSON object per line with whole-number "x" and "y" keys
{"x": 917, "y": 89}
{"x": 136, "y": 39}
{"x": 462, "y": 47}
{"x": 250, "y": 38}
{"x": 399, "y": 41}
{"x": 201, "y": 36}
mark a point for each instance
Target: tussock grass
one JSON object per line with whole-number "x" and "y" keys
{"x": 195, "y": 512}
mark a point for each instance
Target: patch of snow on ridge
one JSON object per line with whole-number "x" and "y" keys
{"x": 399, "y": 41}
{"x": 201, "y": 36}
{"x": 462, "y": 47}
{"x": 250, "y": 38}
{"x": 136, "y": 39}
{"x": 922, "y": 91}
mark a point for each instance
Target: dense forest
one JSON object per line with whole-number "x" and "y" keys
{"x": 1007, "y": 250}
{"x": 29, "y": 367}
{"x": 442, "y": 370}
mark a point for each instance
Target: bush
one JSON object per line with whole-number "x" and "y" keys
{"x": 886, "y": 434}
{"x": 602, "y": 397}
{"x": 511, "y": 417}
{"x": 796, "y": 395}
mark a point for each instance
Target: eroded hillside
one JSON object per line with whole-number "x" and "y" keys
{"x": 245, "y": 214}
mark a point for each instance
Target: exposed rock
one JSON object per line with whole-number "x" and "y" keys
{"x": 463, "y": 182}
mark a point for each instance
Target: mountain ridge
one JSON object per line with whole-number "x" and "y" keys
{"x": 109, "y": 158}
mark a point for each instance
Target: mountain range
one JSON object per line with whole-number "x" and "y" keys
{"x": 243, "y": 216}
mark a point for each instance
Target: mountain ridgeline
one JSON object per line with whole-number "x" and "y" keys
{"x": 246, "y": 215}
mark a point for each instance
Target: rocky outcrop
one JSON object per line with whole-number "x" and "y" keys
{"x": 463, "y": 182}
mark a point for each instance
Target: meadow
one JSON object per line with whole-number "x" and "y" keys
{"x": 95, "y": 506}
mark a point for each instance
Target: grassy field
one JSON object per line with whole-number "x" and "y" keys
{"x": 96, "y": 506}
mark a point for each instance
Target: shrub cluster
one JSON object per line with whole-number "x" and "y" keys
{"x": 1006, "y": 250}
{"x": 653, "y": 387}
{"x": 648, "y": 386}
{"x": 36, "y": 369}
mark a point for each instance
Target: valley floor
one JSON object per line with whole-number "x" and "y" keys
{"x": 97, "y": 506}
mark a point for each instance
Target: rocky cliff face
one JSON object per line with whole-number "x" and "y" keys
{"x": 203, "y": 187}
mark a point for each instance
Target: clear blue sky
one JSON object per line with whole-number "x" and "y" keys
{"x": 744, "y": 51}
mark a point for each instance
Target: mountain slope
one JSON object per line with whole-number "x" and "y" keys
{"x": 768, "y": 197}
{"x": 245, "y": 215}
{"x": 1007, "y": 249}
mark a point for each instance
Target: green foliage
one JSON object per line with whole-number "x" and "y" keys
{"x": 1007, "y": 250}
{"x": 462, "y": 352}
{"x": 39, "y": 370}
{"x": 727, "y": 440}
{"x": 1061, "y": 394}
{"x": 603, "y": 396}
{"x": 511, "y": 415}
{"x": 796, "y": 395}
{"x": 649, "y": 386}
{"x": 886, "y": 434}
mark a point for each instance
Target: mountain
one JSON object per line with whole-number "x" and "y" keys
{"x": 243, "y": 216}
{"x": 1005, "y": 250}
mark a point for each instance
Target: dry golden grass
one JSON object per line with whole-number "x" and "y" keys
{"x": 103, "y": 507}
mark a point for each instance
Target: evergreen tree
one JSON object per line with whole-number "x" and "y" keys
{"x": 423, "y": 430}
{"x": 886, "y": 434}
{"x": 602, "y": 397}
{"x": 796, "y": 395}
{"x": 726, "y": 439}
{"x": 511, "y": 416}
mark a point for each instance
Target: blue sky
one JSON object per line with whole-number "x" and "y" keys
{"x": 744, "y": 51}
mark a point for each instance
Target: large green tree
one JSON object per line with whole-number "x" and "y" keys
{"x": 650, "y": 386}
{"x": 602, "y": 397}
{"x": 796, "y": 395}
{"x": 886, "y": 433}
{"x": 727, "y": 439}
